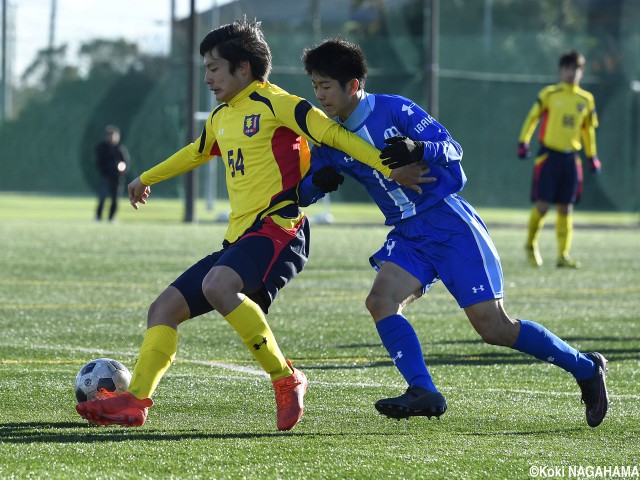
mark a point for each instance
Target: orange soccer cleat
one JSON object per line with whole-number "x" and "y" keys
{"x": 290, "y": 398}
{"x": 111, "y": 408}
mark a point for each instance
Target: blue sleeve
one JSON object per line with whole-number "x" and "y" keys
{"x": 308, "y": 193}
{"x": 439, "y": 147}
{"x": 442, "y": 153}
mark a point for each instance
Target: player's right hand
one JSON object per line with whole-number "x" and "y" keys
{"x": 524, "y": 151}
{"x": 327, "y": 179}
{"x": 411, "y": 176}
{"x": 138, "y": 192}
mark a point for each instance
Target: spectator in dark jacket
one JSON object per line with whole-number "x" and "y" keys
{"x": 112, "y": 159}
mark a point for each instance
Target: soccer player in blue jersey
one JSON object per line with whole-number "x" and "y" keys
{"x": 436, "y": 235}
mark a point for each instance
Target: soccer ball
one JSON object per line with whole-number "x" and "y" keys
{"x": 101, "y": 373}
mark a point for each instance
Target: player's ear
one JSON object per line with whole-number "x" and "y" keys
{"x": 353, "y": 86}
{"x": 245, "y": 67}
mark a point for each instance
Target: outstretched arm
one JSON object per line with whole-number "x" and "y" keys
{"x": 316, "y": 127}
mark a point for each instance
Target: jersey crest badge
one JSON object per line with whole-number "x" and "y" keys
{"x": 251, "y": 125}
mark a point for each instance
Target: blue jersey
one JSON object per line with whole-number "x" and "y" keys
{"x": 376, "y": 118}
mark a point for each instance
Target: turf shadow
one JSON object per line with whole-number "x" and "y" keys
{"x": 78, "y": 432}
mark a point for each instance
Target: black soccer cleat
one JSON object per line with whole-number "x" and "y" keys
{"x": 415, "y": 402}
{"x": 594, "y": 391}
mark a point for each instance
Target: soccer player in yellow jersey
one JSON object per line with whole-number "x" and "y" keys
{"x": 569, "y": 121}
{"x": 261, "y": 133}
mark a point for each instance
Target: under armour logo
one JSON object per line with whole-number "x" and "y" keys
{"x": 550, "y": 359}
{"x": 258, "y": 345}
{"x": 390, "y": 244}
{"x": 398, "y": 356}
{"x": 478, "y": 289}
{"x": 407, "y": 108}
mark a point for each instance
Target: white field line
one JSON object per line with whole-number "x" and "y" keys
{"x": 227, "y": 366}
{"x": 232, "y": 367}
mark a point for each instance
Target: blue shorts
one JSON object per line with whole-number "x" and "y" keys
{"x": 266, "y": 257}
{"x": 448, "y": 242}
{"x": 557, "y": 177}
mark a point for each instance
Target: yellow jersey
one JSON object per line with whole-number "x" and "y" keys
{"x": 568, "y": 119}
{"x": 261, "y": 136}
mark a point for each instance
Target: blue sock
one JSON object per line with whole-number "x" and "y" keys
{"x": 401, "y": 341}
{"x": 539, "y": 342}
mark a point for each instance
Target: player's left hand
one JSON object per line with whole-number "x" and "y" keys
{"x": 411, "y": 176}
{"x": 401, "y": 151}
{"x": 524, "y": 151}
{"x": 138, "y": 192}
{"x": 327, "y": 179}
{"x": 595, "y": 165}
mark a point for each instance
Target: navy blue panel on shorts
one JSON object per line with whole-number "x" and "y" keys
{"x": 557, "y": 177}
{"x": 266, "y": 257}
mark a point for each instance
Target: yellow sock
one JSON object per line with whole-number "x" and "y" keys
{"x": 157, "y": 352}
{"x": 564, "y": 234}
{"x": 536, "y": 221}
{"x": 250, "y": 323}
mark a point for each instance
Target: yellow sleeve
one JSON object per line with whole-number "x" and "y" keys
{"x": 180, "y": 162}
{"x": 188, "y": 158}
{"x": 339, "y": 137}
{"x": 589, "y": 132}
{"x": 589, "y": 141}
{"x": 530, "y": 123}
{"x": 315, "y": 126}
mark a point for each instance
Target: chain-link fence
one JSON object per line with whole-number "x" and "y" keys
{"x": 493, "y": 56}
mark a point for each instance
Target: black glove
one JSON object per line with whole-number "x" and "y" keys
{"x": 401, "y": 151}
{"x": 327, "y": 179}
{"x": 524, "y": 151}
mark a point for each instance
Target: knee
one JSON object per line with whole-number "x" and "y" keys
{"x": 157, "y": 313}
{"x": 154, "y": 308}
{"x": 170, "y": 309}
{"x": 371, "y": 302}
{"x": 564, "y": 209}
{"x": 542, "y": 208}
{"x": 212, "y": 290}
{"x": 379, "y": 306}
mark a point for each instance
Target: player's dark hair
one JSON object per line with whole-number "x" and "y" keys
{"x": 571, "y": 59}
{"x": 338, "y": 59}
{"x": 241, "y": 41}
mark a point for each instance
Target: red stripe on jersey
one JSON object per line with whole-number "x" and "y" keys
{"x": 285, "y": 145}
{"x": 543, "y": 126}
{"x": 215, "y": 150}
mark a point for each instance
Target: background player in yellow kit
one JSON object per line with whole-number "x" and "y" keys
{"x": 569, "y": 121}
{"x": 261, "y": 133}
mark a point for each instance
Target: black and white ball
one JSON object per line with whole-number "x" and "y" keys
{"x": 101, "y": 373}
